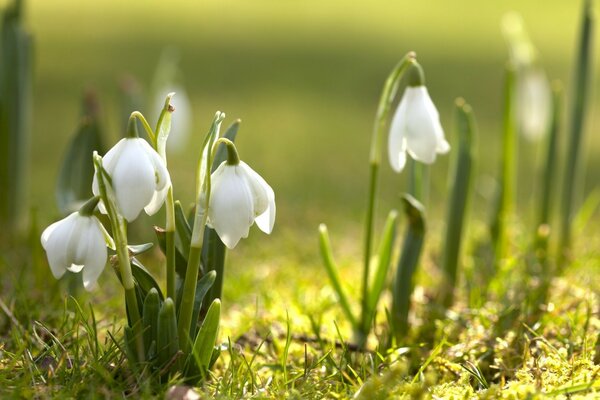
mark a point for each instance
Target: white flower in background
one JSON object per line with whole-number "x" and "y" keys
{"x": 534, "y": 102}
{"x": 238, "y": 198}
{"x": 77, "y": 243}
{"x": 139, "y": 177}
{"x": 416, "y": 129}
{"x": 181, "y": 121}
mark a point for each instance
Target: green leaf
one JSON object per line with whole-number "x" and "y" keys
{"x": 411, "y": 252}
{"x": 460, "y": 187}
{"x": 143, "y": 279}
{"x": 77, "y": 169}
{"x": 163, "y": 127}
{"x": 383, "y": 265}
{"x": 180, "y": 259}
{"x": 183, "y": 230}
{"x": 130, "y": 345}
{"x": 136, "y": 249}
{"x": 167, "y": 343}
{"x": 334, "y": 278}
{"x": 15, "y": 114}
{"x": 150, "y": 320}
{"x": 202, "y": 288}
{"x": 205, "y": 341}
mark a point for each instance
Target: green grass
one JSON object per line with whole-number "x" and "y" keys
{"x": 304, "y": 77}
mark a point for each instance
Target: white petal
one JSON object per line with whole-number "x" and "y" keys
{"x": 96, "y": 255}
{"x": 54, "y": 240}
{"x": 133, "y": 180}
{"x": 157, "y": 201}
{"x": 231, "y": 210}
{"x": 423, "y": 126}
{"x": 265, "y": 219}
{"x": 396, "y": 138}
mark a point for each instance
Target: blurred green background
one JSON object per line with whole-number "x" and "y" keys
{"x": 304, "y": 77}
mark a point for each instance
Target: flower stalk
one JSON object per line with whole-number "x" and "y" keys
{"x": 119, "y": 229}
{"x": 386, "y": 100}
{"x": 193, "y": 268}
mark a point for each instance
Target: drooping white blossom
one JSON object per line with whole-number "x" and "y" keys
{"x": 238, "y": 198}
{"x": 76, "y": 243}
{"x": 416, "y": 130}
{"x": 139, "y": 177}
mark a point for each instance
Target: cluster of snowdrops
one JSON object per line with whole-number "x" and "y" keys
{"x": 174, "y": 329}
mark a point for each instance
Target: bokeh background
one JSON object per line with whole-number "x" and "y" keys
{"x": 304, "y": 77}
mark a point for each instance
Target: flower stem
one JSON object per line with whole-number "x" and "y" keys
{"x": 119, "y": 229}
{"x": 170, "y": 236}
{"x": 202, "y": 201}
{"x": 388, "y": 94}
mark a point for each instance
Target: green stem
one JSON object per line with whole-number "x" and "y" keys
{"x": 146, "y": 125}
{"x": 187, "y": 300}
{"x": 170, "y": 242}
{"x": 119, "y": 229}
{"x": 202, "y": 201}
{"x": 578, "y": 109}
{"x": 388, "y": 94}
{"x": 506, "y": 184}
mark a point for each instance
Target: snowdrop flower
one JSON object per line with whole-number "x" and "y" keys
{"x": 140, "y": 178}
{"x": 77, "y": 243}
{"x": 416, "y": 126}
{"x": 238, "y": 198}
{"x": 534, "y": 102}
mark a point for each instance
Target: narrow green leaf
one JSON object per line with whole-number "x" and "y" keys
{"x": 167, "y": 343}
{"x": 204, "y": 343}
{"x": 504, "y": 196}
{"x": 150, "y": 319}
{"x": 332, "y": 272}
{"x": 202, "y": 288}
{"x": 15, "y": 114}
{"x": 163, "y": 127}
{"x": 183, "y": 229}
{"x": 411, "y": 252}
{"x": 383, "y": 265}
{"x": 180, "y": 258}
{"x": 77, "y": 169}
{"x": 579, "y": 107}
{"x": 137, "y": 249}
{"x": 130, "y": 345}
{"x": 460, "y": 187}
{"x": 144, "y": 279}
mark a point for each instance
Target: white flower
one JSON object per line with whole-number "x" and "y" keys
{"x": 76, "y": 243}
{"x": 239, "y": 196}
{"x": 534, "y": 102}
{"x": 139, "y": 176}
{"x": 416, "y": 129}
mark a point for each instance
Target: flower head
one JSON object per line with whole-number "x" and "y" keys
{"x": 139, "y": 176}
{"x": 76, "y": 243}
{"x": 238, "y": 198}
{"x": 416, "y": 126}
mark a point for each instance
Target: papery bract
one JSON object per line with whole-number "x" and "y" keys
{"x": 238, "y": 198}
{"x": 139, "y": 177}
{"x": 416, "y": 129}
{"x": 76, "y": 243}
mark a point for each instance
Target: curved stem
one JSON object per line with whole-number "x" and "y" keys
{"x": 119, "y": 229}
{"x": 146, "y": 125}
{"x": 388, "y": 94}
